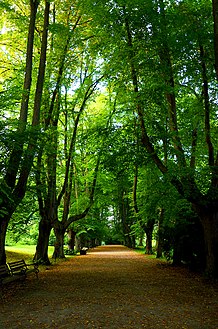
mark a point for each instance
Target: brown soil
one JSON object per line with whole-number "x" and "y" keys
{"x": 111, "y": 288}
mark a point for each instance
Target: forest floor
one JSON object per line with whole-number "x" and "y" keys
{"x": 111, "y": 287}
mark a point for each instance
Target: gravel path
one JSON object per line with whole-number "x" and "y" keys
{"x": 111, "y": 287}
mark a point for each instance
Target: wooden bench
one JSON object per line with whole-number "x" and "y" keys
{"x": 19, "y": 268}
{"x": 6, "y": 277}
{"x": 15, "y": 271}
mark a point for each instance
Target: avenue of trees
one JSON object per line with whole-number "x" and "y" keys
{"x": 109, "y": 127}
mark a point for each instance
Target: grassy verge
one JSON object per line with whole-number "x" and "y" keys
{"x": 140, "y": 249}
{"x": 25, "y": 252}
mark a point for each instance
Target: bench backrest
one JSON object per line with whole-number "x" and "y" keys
{"x": 17, "y": 267}
{"x": 4, "y": 271}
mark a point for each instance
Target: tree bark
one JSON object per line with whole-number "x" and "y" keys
{"x": 148, "y": 228}
{"x": 71, "y": 239}
{"x": 41, "y": 253}
{"x": 47, "y": 206}
{"x": 185, "y": 185}
{"x": 207, "y": 108}
{"x": 3, "y": 229}
{"x": 148, "y": 247}
{"x": 20, "y": 188}
{"x": 16, "y": 154}
{"x": 78, "y": 244}
{"x": 160, "y": 238}
{"x": 17, "y": 191}
{"x": 59, "y": 242}
{"x": 209, "y": 222}
{"x": 123, "y": 215}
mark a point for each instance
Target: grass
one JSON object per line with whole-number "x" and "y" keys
{"x": 25, "y": 252}
{"x": 140, "y": 249}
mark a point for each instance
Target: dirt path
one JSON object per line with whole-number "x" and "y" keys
{"x": 111, "y": 288}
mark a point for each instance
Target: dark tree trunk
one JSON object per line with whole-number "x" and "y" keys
{"x": 78, "y": 244}
{"x": 128, "y": 241}
{"x": 149, "y": 233}
{"x": 133, "y": 242}
{"x": 124, "y": 214}
{"x": 210, "y": 227}
{"x": 148, "y": 247}
{"x": 177, "y": 253}
{"x": 71, "y": 239}
{"x": 16, "y": 154}
{"x": 148, "y": 228}
{"x": 43, "y": 241}
{"x": 9, "y": 196}
{"x": 160, "y": 235}
{"x": 59, "y": 242}
{"x": 141, "y": 240}
{"x": 3, "y": 229}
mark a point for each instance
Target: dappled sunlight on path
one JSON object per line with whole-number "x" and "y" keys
{"x": 111, "y": 287}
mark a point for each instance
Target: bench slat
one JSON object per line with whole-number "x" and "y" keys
{"x": 14, "y": 271}
{"x": 20, "y": 267}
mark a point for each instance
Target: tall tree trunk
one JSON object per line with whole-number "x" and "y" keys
{"x": 43, "y": 240}
{"x": 17, "y": 192}
{"x": 141, "y": 238}
{"x": 59, "y": 241}
{"x": 148, "y": 228}
{"x": 123, "y": 213}
{"x": 209, "y": 222}
{"x": 48, "y": 218}
{"x": 207, "y": 127}
{"x": 50, "y": 203}
{"x": 185, "y": 185}
{"x": 160, "y": 234}
{"x": 148, "y": 247}
{"x": 47, "y": 208}
{"x": 9, "y": 201}
{"x": 71, "y": 239}
{"x": 16, "y": 154}
{"x": 3, "y": 230}
{"x": 78, "y": 244}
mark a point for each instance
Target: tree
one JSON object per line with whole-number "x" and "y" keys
{"x": 177, "y": 90}
{"x": 13, "y": 185}
{"x": 62, "y": 115}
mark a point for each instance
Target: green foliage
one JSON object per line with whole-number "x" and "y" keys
{"x": 143, "y": 55}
